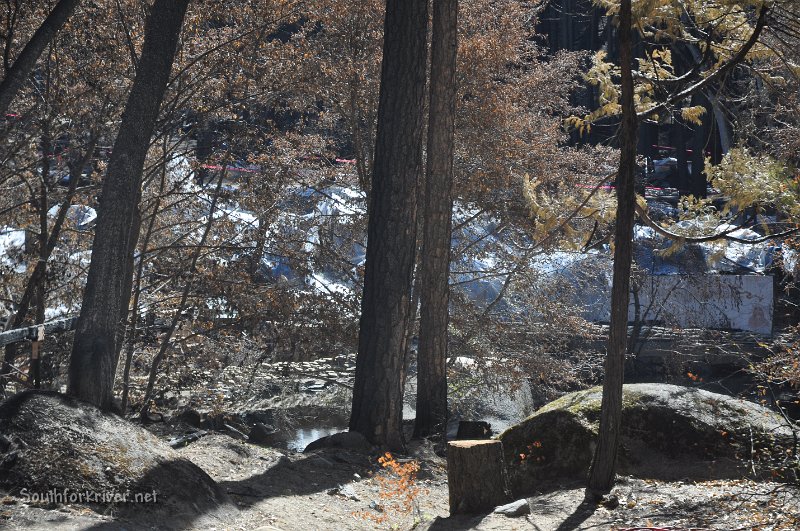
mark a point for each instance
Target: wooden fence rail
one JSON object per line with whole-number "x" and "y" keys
{"x": 32, "y": 332}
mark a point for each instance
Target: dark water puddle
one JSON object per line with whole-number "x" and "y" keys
{"x": 297, "y": 427}
{"x": 302, "y": 437}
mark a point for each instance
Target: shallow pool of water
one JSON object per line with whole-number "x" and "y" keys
{"x": 302, "y": 437}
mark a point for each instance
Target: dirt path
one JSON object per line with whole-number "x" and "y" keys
{"x": 335, "y": 490}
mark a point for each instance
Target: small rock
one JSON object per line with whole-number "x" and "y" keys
{"x": 517, "y": 508}
{"x": 609, "y": 501}
{"x": 344, "y": 490}
{"x": 5, "y": 443}
{"x": 191, "y": 417}
{"x": 261, "y": 433}
{"x": 375, "y": 506}
{"x": 349, "y": 492}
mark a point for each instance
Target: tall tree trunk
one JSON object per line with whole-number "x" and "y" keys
{"x": 601, "y": 476}
{"x": 435, "y": 262}
{"x": 27, "y": 58}
{"x": 95, "y": 351}
{"x": 377, "y": 395}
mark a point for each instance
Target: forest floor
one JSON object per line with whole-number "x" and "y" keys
{"x": 337, "y": 489}
{"x": 273, "y": 487}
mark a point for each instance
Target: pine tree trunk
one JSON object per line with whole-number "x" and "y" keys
{"x": 377, "y": 395}
{"x": 95, "y": 351}
{"x": 601, "y": 477}
{"x": 26, "y": 61}
{"x": 438, "y": 198}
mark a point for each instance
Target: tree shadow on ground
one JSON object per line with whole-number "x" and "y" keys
{"x": 456, "y": 522}
{"x": 313, "y": 473}
{"x": 582, "y": 512}
{"x": 552, "y": 510}
{"x": 464, "y": 522}
{"x": 316, "y": 472}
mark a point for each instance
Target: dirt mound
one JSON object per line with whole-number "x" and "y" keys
{"x": 668, "y": 432}
{"x": 57, "y": 450}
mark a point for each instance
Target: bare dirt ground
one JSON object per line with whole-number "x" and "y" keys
{"x": 336, "y": 489}
{"x": 274, "y": 489}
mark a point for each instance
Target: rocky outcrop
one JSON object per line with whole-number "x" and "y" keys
{"x": 668, "y": 432}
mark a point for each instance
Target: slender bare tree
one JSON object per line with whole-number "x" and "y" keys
{"x": 26, "y": 61}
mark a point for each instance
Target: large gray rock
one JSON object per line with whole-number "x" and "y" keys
{"x": 56, "y": 444}
{"x": 668, "y": 432}
{"x": 346, "y": 440}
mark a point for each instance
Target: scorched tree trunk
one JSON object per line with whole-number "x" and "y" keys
{"x": 435, "y": 261}
{"x": 377, "y": 394}
{"x": 94, "y": 353}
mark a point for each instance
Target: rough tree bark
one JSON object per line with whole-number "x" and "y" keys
{"x": 377, "y": 394}
{"x": 438, "y": 208}
{"x": 95, "y": 351}
{"x": 601, "y": 476}
{"x": 27, "y": 58}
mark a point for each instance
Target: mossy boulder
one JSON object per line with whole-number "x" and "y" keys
{"x": 54, "y": 449}
{"x": 668, "y": 432}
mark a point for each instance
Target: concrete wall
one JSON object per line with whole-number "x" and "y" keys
{"x": 737, "y": 302}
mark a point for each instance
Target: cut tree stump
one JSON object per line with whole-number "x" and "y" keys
{"x": 476, "y": 476}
